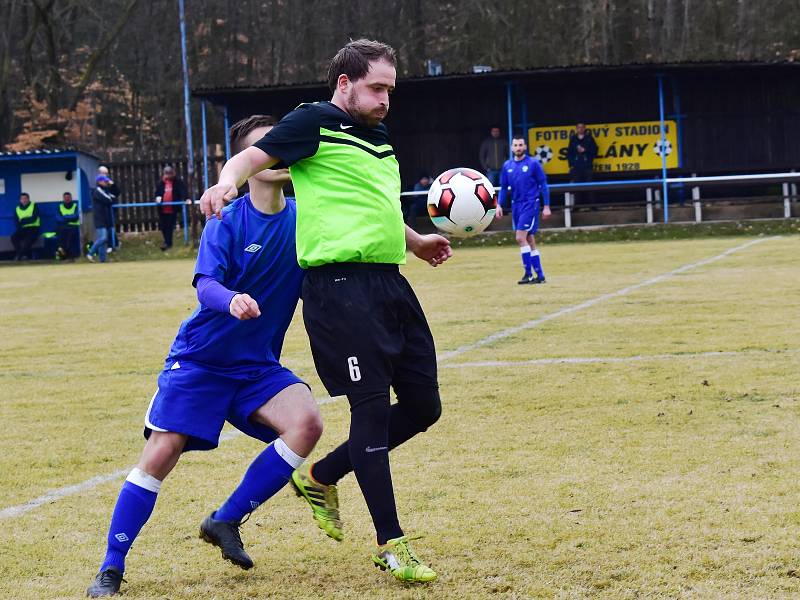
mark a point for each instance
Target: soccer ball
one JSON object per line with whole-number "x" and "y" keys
{"x": 461, "y": 202}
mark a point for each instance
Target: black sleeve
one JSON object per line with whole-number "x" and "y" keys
{"x": 591, "y": 148}
{"x": 294, "y": 138}
{"x": 571, "y": 151}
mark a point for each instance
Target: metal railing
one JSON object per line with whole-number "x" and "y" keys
{"x": 653, "y": 187}
{"x": 184, "y": 215}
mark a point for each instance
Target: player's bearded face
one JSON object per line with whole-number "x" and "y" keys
{"x": 368, "y": 100}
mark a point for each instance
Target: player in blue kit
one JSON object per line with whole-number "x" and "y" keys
{"x": 223, "y": 365}
{"x": 524, "y": 176}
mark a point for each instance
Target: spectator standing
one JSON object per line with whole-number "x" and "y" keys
{"x": 68, "y": 223}
{"x": 581, "y": 153}
{"x": 493, "y": 154}
{"x": 26, "y": 217}
{"x": 102, "y": 200}
{"x": 414, "y": 205}
{"x": 112, "y": 242}
{"x": 169, "y": 189}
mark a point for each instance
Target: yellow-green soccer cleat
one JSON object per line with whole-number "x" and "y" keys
{"x": 323, "y": 499}
{"x": 398, "y": 557}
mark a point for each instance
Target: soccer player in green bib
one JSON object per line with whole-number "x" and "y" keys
{"x": 367, "y": 330}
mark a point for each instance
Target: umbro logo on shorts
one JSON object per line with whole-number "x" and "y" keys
{"x": 253, "y": 248}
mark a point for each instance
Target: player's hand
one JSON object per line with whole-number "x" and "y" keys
{"x": 214, "y": 199}
{"x": 498, "y": 214}
{"x": 546, "y": 212}
{"x": 433, "y": 248}
{"x": 243, "y": 307}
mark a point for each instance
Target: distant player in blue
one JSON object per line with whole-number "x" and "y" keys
{"x": 223, "y": 366}
{"x": 524, "y": 176}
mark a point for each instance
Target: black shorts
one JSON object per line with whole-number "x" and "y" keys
{"x": 367, "y": 328}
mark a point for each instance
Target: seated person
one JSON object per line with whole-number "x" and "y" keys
{"x": 26, "y": 217}
{"x": 68, "y": 227}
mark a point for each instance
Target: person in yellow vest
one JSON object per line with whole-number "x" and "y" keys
{"x": 68, "y": 223}
{"x": 27, "y": 232}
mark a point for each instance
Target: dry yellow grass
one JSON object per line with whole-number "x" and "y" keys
{"x": 670, "y": 476}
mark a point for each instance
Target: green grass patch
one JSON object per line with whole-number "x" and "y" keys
{"x": 669, "y": 472}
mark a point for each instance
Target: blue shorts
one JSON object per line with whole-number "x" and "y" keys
{"x": 197, "y": 401}
{"x": 525, "y": 216}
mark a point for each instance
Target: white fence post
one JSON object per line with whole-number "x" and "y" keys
{"x": 568, "y": 201}
{"x": 787, "y": 206}
{"x": 698, "y": 209}
{"x": 649, "y": 192}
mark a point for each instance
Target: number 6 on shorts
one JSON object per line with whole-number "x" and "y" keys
{"x": 352, "y": 365}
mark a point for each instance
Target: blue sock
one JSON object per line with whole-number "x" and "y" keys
{"x": 537, "y": 264}
{"x": 134, "y": 506}
{"x": 525, "y": 254}
{"x": 265, "y": 476}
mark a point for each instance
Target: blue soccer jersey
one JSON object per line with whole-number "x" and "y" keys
{"x": 249, "y": 252}
{"x": 526, "y": 179}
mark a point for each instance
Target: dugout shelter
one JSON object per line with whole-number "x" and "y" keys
{"x": 45, "y": 175}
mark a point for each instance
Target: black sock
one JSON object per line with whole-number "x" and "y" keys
{"x": 369, "y": 455}
{"x": 417, "y": 408}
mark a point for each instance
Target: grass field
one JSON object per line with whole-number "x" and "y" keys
{"x": 629, "y": 430}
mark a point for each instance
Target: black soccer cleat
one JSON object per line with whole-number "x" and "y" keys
{"x": 527, "y": 279}
{"x": 537, "y": 280}
{"x": 225, "y": 535}
{"x": 106, "y": 583}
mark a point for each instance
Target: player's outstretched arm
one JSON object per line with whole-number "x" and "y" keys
{"x": 432, "y": 248}
{"x": 235, "y": 172}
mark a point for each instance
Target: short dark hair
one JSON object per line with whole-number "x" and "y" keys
{"x": 353, "y": 60}
{"x": 67, "y": 194}
{"x": 519, "y": 136}
{"x": 241, "y": 129}
{"x": 26, "y": 194}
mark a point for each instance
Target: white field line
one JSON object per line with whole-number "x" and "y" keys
{"x": 585, "y": 360}
{"x": 69, "y": 490}
{"x": 63, "y": 492}
{"x": 504, "y": 333}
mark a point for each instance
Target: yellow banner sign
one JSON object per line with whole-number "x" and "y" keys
{"x": 634, "y": 146}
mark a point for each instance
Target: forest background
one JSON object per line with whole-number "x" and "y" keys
{"x": 106, "y": 76}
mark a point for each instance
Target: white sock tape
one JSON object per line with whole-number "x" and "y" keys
{"x": 144, "y": 480}
{"x": 287, "y": 454}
